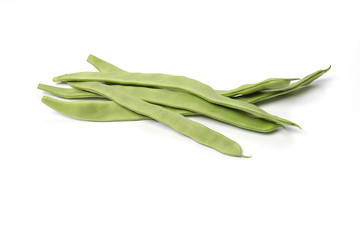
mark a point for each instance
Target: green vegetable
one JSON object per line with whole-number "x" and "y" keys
{"x": 178, "y": 100}
{"x": 190, "y": 128}
{"x": 268, "y": 84}
{"x": 173, "y": 82}
{"x": 257, "y": 97}
{"x": 151, "y": 96}
{"x": 100, "y": 111}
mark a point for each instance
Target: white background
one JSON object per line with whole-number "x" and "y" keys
{"x": 67, "y": 179}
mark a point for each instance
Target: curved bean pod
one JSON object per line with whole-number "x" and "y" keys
{"x": 195, "y": 104}
{"x": 254, "y": 96}
{"x": 173, "y": 82}
{"x": 70, "y": 93}
{"x": 272, "y": 84}
{"x": 268, "y": 84}
{"x": 174, "y": 100}
{"x": 257, "y": 97}
{"x": 102, "y": 65}
{"x": 99, "y": 111}
{"x": 185, "y": 101}
{"x": 190, "y": 128}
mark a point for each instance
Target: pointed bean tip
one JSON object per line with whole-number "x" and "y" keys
{"x": 294, "y": 124}
{"x": 244, "y": 156}
{"x": 327, "y": 69}
{"x": 89, "y": 57}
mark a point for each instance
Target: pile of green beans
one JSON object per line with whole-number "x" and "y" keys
{"x": 169, "y": 99}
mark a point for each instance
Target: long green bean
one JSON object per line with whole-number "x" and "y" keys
{"x": 174, "y": 82}
{"x": 190, "y": 128}
{"x": 272, "y": 84}
{"x": 268, "y": 84}
{"x": 70, "y": 93}
{"x": 102, "y": 65}
{"x": 257, "y": 97}
{"x": 99, "y": 111}
{"x": 178, "y": 100}
{"x": 260, "y": 91}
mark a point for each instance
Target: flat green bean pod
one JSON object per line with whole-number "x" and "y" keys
{"x": 70, "y": 93}
{"x": 102, "y": 65}
{"x": 272, "y": 84}
{"x": 173, "y": 82}
{"x": 257, "y": 97}
{"x": 257, "y": 94}
{"x": 99, "y": 111}
{"x": 192, "y": 129}
{"x": 179, "y": 100}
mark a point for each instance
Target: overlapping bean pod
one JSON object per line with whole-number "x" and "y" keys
{"x": 183, "y": 125}
{"x": 179, "y": 100}
{"x": 251, "y": 93}
{"x": 126, "y": 102}
{"x": 173, "y": 82}
{"x": 107, "y": 110}
{"x": 99, "y": 111}
{"x": 268, "y": 84}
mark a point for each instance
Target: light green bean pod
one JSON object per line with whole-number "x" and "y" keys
{"x": 192, "y": 129}
{"x": 173, "y": 82}
{"x": 99, "y": 111}
{"x": 70, "y": 93}
{"x": 102, "y": 65}
{"x": 178, "y": 100}
{"x": 257, "y": 97}
{"x": 272, "y": 84}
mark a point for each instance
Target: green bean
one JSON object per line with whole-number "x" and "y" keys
{"x": 257, "y": 97}
{"x": 268, "y": 84}
{"x": 254, "y": 97}
{"x": 181, "y": 100}
{"x": 100, "y": 111}
{"x": 102, "y": 65}
{"x": 174, "y": 82}
{"x": 192, "y": 129}
{"x": 70, "y": 93}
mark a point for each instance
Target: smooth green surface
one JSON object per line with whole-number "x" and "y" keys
{"x": 264, "y": 90}
{"x": 173, "y": 82}
{"x": 257, "y": 97}
{"x": 100, "y": 111}
{"x": 192, "y": 129}
{"x": 272, "y": 84}
{"x": 102, "y": 65}
{"x": 269, "y": 84}
{"x": 180, "y": 100}
{"x": 70, "y": 93}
